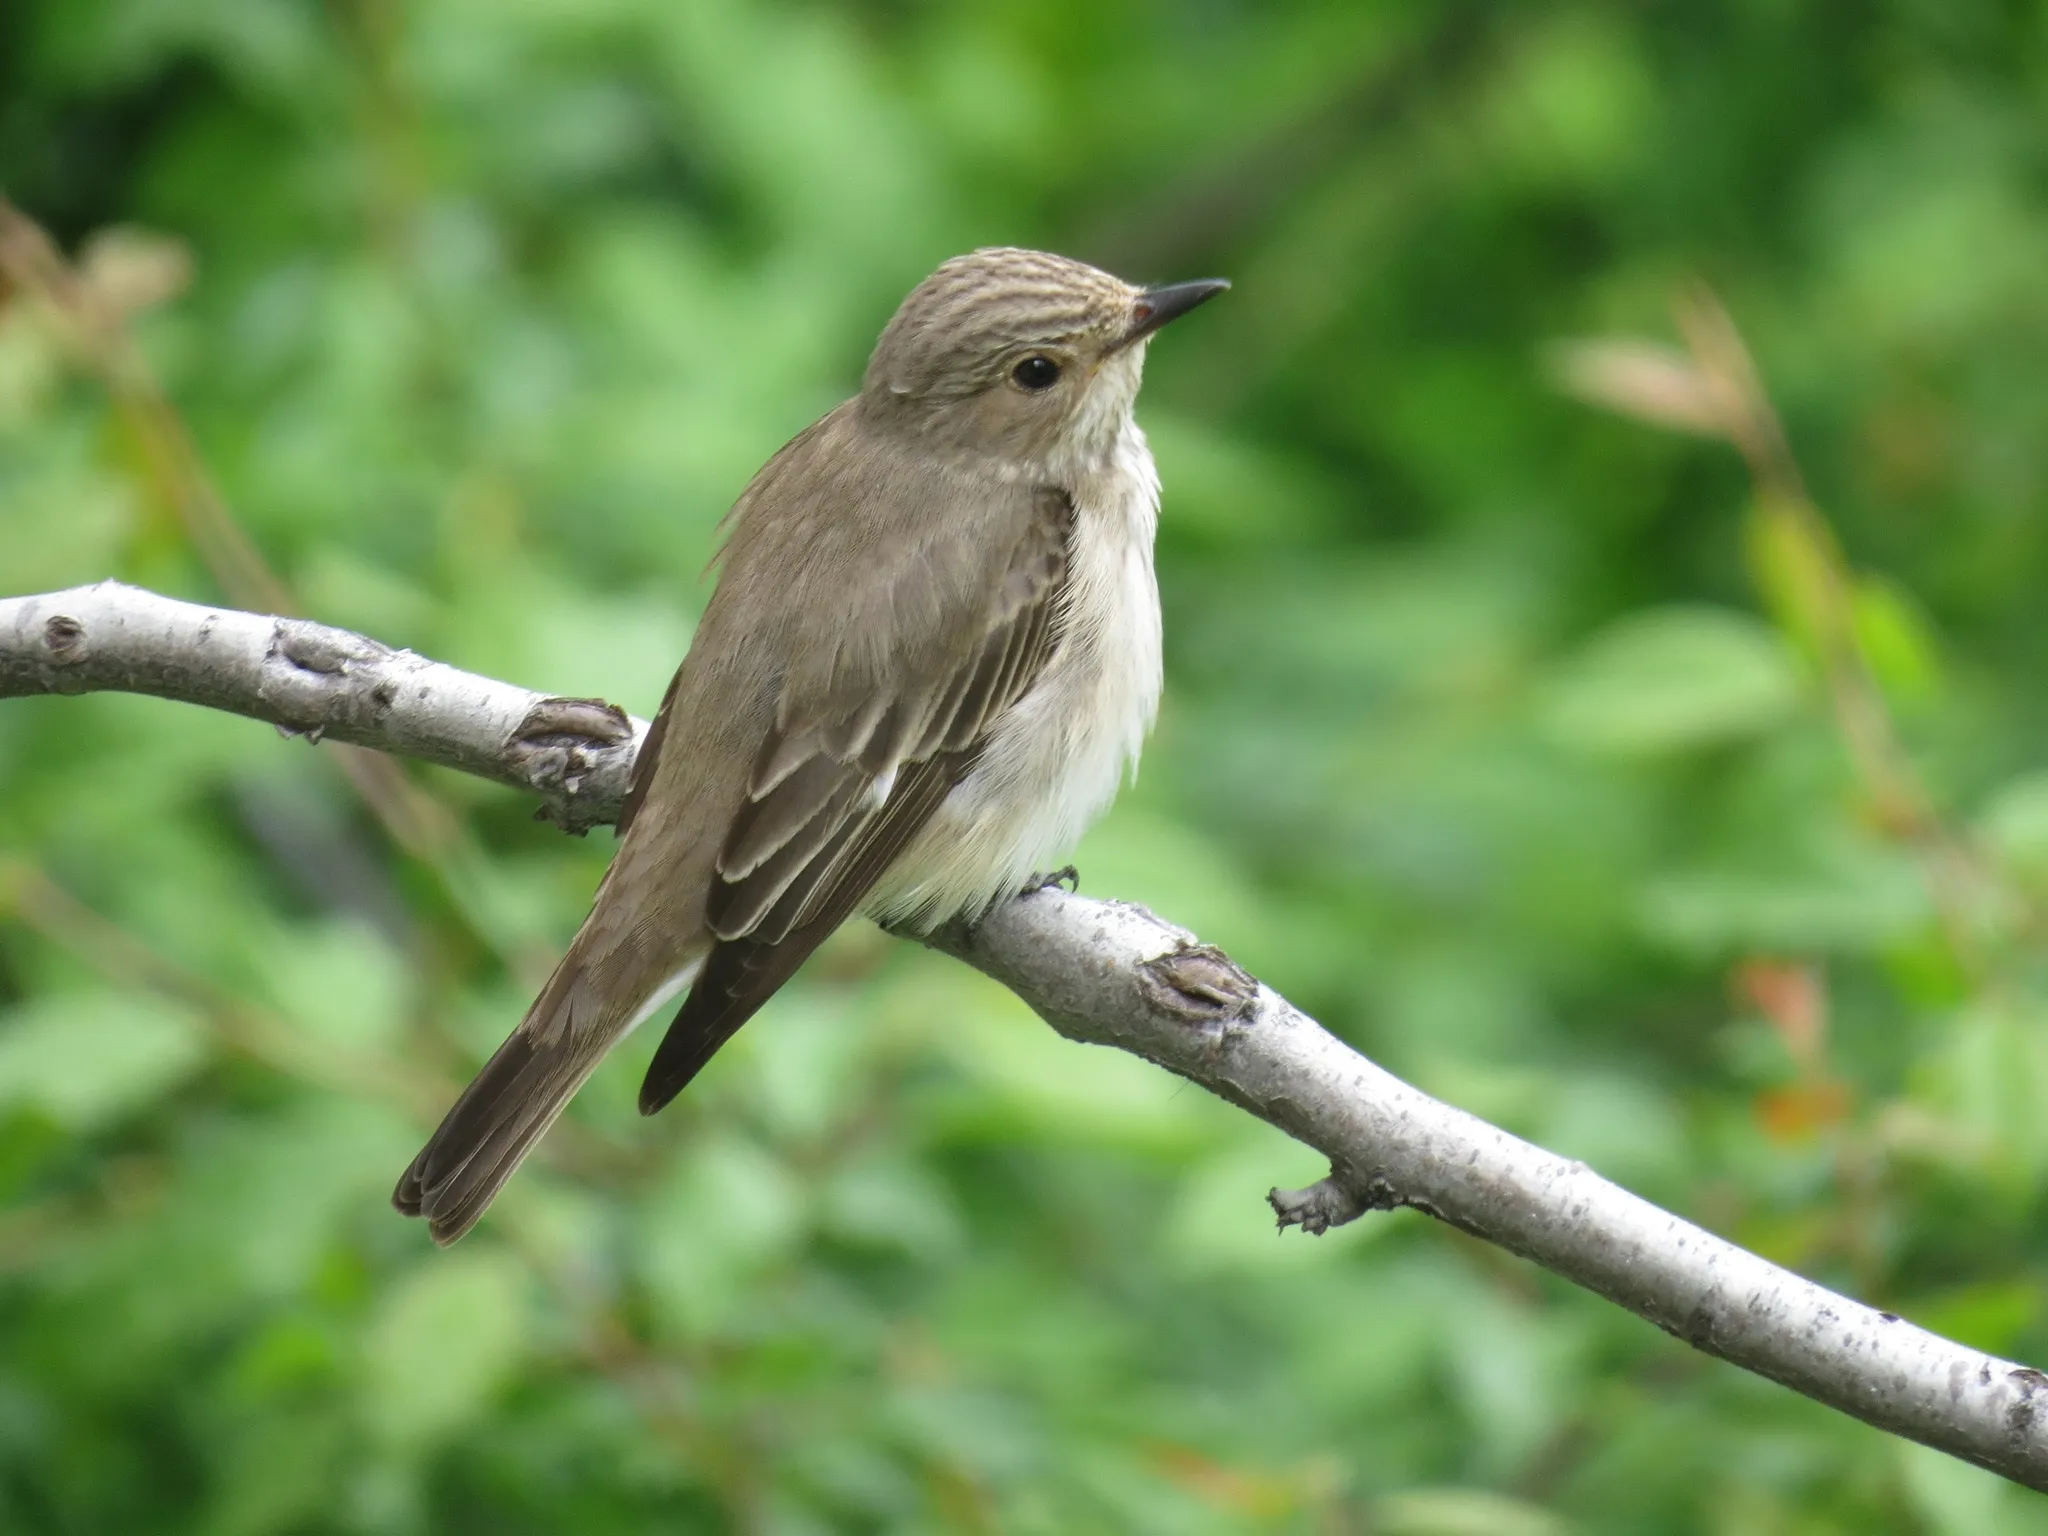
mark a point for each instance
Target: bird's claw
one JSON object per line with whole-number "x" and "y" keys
{"x": 1066, "y": 875}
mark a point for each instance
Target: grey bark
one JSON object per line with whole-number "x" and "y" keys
{"x": 314, "y": 680}
{"x": 1107, "y": 973}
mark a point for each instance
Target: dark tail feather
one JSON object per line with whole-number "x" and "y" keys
{"x": 739, "y": 976}
{"x": 499, "y": 1117}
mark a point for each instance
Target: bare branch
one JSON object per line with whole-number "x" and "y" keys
{"x": 313, "y": 680}
{"x": 1109, "y": 974}
{"x": 1105, "y": 973}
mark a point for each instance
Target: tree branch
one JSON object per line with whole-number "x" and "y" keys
{"x": 1106, "y": 973}
{"x": 314, "y": 680}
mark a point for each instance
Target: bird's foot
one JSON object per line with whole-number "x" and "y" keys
{"x": 1066, "y": 875}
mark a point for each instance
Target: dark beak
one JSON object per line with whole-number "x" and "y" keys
{"x": 1156, "y": 306}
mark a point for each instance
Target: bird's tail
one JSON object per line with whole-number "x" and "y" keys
{"x": 515, "y": 1098}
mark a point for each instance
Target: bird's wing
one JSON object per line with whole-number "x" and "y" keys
{"x": 857, "y": 760}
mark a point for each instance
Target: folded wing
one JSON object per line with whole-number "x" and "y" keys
{"x": 847, "y": 776}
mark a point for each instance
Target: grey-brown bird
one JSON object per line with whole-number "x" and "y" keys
{"x": 931, "y": 656}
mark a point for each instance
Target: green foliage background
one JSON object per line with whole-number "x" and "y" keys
{"x": 1500, "y": 733}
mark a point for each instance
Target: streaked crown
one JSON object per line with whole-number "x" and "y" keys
{"x": 1020, "y": 357}
{"x": 977, "y": 308}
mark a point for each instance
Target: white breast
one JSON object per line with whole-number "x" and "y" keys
{"x": 1055, "y": 761}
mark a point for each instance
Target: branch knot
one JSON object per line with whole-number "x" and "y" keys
{"x": 558, "y": 745}
{"x": 64, "y": 640}
{"x": 319, "y": 649}
{"x": 1198, "y": 984}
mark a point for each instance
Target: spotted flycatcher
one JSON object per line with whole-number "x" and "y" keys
{"x": 932, "y": 653}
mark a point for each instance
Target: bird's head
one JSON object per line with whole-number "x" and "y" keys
{"x": 1024, "y": 357}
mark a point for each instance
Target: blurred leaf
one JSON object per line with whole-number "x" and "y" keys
{"x": 261, "y": 1201}
{"x": 1584, "y": 91}
{"x": 725, "y": 1212}
{"x": 87, "y": 1058}
{"x": 1671, "y": 680}
{"x": 818, "y": 1072}
{"x": 1988, "y": 1076}
{"x": 1629, "y": 1130}
{"x": 446, "y": 1338}
{"x": 31, "y": 367}
{"x": 339, "y": 981}
{"x": 1895, "y": 640}
{"x": 1952, "y": 1498}
{"x": 2014, "y": 826}
{"x": 1850, "y": 903}
{"x": 1511, "y": 1375}
{"x": 891, "y": 1202}
{"x": 1462, "y": 1512}
{"x": 1036, "y": 1084}
{"x": 1992, "y": 1316}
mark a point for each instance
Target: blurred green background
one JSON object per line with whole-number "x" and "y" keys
{"x": 1524, "y": 743}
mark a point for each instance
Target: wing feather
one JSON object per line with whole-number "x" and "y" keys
{"x": 737, "y": 905}
{"x": 766, "y": 826}
{"x": 742, "y": 974}
{"x": 842, "y": 785}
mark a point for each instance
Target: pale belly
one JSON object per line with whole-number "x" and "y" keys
{"x": 1056, "y": 760}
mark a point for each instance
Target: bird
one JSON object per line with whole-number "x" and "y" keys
{"x": 931, "y": 656}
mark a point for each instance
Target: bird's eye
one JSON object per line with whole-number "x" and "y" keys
{"x": 1036, "y": 372}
